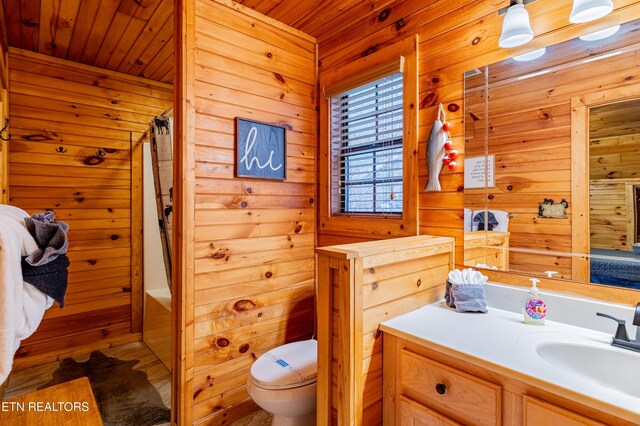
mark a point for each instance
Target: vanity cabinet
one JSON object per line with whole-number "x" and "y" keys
{"x": 415, "y": 414}
{"x": 538, "y": 413}
{"x": 424, "y": 386}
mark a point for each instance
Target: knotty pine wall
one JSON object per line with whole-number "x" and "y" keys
{"x": 253, "y": 287}
{"x": 61, "y": 114}
{"x": 455, "y": 36}
{"x": 4, "y": 112}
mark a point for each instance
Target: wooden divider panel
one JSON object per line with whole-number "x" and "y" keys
{"x": 361, "y": 285}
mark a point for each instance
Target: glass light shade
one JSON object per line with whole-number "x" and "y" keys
{"x": 516, "y": 28}
{"x": 601, "y": 35}
{"x": 589, "y": 10}
{"x": 530, "y": 56}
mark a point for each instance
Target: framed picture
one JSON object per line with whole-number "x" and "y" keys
{"x": 479, "y": 172}
{"x": 261, "y": 150}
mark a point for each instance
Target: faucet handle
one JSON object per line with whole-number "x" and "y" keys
{"x": 621, "y": 331}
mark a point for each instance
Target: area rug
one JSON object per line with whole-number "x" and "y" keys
{"x": 124, "y": 395}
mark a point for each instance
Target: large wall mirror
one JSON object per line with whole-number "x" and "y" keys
{"x": 552, "y": 161}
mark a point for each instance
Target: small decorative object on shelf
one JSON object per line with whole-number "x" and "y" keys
{"x": 551, "y": 209}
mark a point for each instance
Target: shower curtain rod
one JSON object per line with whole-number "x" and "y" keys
{"x": 168, "y": 112}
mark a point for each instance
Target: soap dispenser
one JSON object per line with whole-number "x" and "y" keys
{"x": 534, "y": 310}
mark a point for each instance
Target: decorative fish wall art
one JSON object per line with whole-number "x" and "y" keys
{"x": 440, "y": 151}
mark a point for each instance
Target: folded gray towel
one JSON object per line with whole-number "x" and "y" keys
{"x": 469, "y": 297}
{"x": 448, "y": 296}
{"x": 50, "y": 235}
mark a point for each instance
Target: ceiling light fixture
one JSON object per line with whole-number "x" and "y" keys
{"x": 516, "y": 28}
{"x": 530, "y": 56}
{"x": 601, "y": 35}
{"x": 589, "y": 10}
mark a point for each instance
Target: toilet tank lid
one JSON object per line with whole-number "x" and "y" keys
{"x": 290, "y": 364}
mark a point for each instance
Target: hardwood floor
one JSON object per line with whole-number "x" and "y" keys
{"x": 29, "y": 379}
{"x": 258, "y": 418}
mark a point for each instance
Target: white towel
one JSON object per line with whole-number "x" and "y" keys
{"x": 22, "y": 306}
{"x": 467, "y": 276}
{"x": 468, "y": 220}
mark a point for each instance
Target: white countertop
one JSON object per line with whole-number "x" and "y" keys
{"x": 501, "y": 338}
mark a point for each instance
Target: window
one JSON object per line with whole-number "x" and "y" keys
{"x": 368, "y": 145}
{"x": 367, "y": 148}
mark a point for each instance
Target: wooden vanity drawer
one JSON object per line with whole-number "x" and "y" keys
{"x": 541, "y": 413}
{"x": 414, "y": 414}
{"x": 456, "y": 394}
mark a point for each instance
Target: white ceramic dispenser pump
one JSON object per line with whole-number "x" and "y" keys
{"x": 534, "y": 309}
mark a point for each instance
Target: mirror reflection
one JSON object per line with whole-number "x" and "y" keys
{"x": 551, "y": 191}
{"x": 614, "y": 189}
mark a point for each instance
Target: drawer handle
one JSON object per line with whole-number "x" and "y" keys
{"x": 441, "y": 388}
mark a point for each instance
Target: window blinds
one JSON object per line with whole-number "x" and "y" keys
{"x": 366, "y": 148}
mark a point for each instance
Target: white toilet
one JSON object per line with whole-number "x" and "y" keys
{"x": 283, "y": 383}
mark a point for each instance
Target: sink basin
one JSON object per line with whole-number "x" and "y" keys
{"x": 613, "y": 368}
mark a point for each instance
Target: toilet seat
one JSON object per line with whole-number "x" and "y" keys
{"x": 286, "y": 367}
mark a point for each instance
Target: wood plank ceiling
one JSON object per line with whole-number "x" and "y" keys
{"x": 136, "y": 36}
{"x": 129, "y": 36}
{"x": 323, "y": 19}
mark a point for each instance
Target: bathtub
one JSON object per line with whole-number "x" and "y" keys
{"x": 156, "y": 329}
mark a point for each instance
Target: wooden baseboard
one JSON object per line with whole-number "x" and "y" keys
{"x": 58, "y": 354}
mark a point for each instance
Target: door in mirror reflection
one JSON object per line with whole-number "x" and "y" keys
{"x": 614, "y": 185}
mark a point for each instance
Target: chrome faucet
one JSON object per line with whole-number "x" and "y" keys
{"x": 621, "y": 339}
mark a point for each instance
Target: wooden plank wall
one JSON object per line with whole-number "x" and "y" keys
{"x": 614, "y": 167}
{"x": 4, "y": 112}
{"x": 455, "y": 37}
{"x": 63, "y": 113}
{"x": 254, "y": 239}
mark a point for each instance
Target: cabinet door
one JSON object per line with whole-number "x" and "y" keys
{"x": 541, "y": 413}
{"x": 414, "y": 414}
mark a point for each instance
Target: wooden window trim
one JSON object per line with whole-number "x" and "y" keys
{"x": 401, "y": 55}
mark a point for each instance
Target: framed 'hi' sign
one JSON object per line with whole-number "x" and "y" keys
{"x": 261, "y": 150}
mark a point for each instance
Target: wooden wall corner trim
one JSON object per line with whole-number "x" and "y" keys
{"x": 579, "y": 189}
{"x": 137, "y": 260}
{"x": 4, "y": 43}
{"x": 182, "y": 280}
